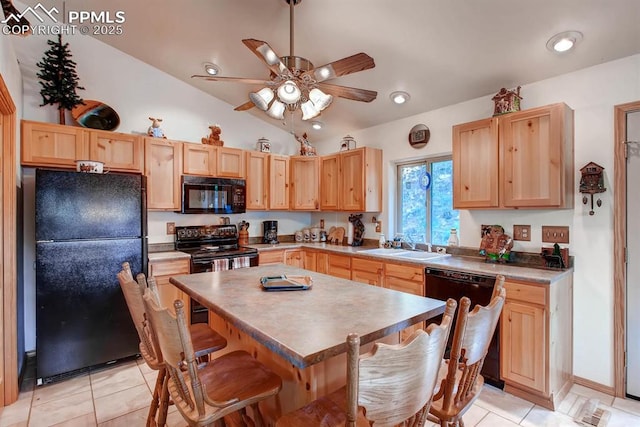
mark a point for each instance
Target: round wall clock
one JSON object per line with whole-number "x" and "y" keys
{"x": 419, "y": 136}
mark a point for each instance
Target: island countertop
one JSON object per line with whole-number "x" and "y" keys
{"x": 306, "y": 327}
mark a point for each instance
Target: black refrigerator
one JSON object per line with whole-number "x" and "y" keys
{"x": 87, "y": 225}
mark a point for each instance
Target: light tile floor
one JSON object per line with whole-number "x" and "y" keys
{"x": 119, "y": 396}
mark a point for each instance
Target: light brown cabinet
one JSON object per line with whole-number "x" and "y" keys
{"x": 405, "y": 278}
{"x": 294, "y": 257}
{"x": 536, "y": 348}
{"x": 352, "y": 181}
{"x": 267, "y": 181}
{"x": 199, "y": 159}
{"x": 275, "y": 256}
{"x": 118, "y": 151}
{"x": 519, "y": 160}
{"x": 339, "y": 265}
{"x": 330, "y": 182}
{"x": 49, "y": 144}
{"x": 322, "y": 262}
{"x": 231, "y": 162}
{"x": 367, "y": 271}
{"x": 161, "y": 271}
{"x": 257, "y": 189}
{"x": 163, "y": 168}
{"x": 304, "y": 183}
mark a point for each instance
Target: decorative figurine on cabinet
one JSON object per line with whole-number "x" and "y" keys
{"x": 591, "y": 182}
{"x": 306, "y": 149}
{"x": 214, "y": 136}
{"x": 155, "y": 130}
{"x": 348, "y": 143}
{"x": 495, "y": 245}
{"x": 506, "y": 101}
{"x": 263, "y": 145}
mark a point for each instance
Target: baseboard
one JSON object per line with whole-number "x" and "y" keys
{"x": 594, "y": 385}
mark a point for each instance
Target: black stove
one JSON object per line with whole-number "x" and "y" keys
{"x": 212, "y": 248}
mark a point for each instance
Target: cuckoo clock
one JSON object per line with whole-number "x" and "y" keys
{"x": 592, "y": 182}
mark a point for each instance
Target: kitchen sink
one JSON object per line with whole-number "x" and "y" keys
{"x": 383, "y": 251}
{"x": 419, "y": 256}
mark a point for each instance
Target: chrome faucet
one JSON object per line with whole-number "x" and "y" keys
{"x": 409, "y": 241}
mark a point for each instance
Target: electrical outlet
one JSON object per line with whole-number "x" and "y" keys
{"x": 171, "y": 228}
{"x": 555, "y": 234}
{"x": 522, "y": 232}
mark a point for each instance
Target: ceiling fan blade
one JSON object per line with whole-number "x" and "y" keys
{"x": 342, "y": 67}
{"x": 244, "y": 107}
{"x": 268, "y": 56}
{"x": 354, "y": 94}
{"x": 234, "y": 79}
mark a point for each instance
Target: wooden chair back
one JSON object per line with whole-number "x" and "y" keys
{"x": 185, "y": 386}
{"x": 133, "y": 292}
{"x": 394, "y": 383}
{"x": 472, "y": 336}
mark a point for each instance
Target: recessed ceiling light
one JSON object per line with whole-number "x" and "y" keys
{"x": 565, "y": 41}
{"x": 316, "y": 125}
{"x": 211, "y": 69}
{"x": 399, "y": 97}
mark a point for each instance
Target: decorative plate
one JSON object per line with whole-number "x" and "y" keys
{"x": 95, "y": 115}
{"x": 419, "y": 136}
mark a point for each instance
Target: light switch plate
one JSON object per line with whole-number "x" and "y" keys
{"x": 555, "y": 234}
{"x": 522, "y": 232}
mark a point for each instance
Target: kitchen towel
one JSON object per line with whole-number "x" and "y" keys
{"x": 220, "y": 264}
{"x": 241, "y": 262}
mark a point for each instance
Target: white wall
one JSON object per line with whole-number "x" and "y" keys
{"x": 592, "y": 94}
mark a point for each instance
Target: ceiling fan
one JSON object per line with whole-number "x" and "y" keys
{"x": 295, "y": 83}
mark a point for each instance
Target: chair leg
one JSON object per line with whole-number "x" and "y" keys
{"x": 257, "y": 416}
{"x": 153, "y": 409}
{"x": 164, "y": 399}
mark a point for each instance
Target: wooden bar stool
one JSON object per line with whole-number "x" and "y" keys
{"x": 205, "y": 394}
{"x": 460, "y": 382}
{"x": 388, "y": 386}
{"x": 205, "y": 339}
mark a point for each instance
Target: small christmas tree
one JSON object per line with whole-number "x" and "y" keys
{"x": 58, "y": 78}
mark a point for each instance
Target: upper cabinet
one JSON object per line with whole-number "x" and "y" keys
{"x": 230, "y": 162}
{"x": 257, "y": 189}
{"x": 163, "y": 168}
{"x": 519, "y": 160}
{"x": 199, "y": 159}
{"x": 278, "y": 182}
{"x": 352, "y": 181}
{"x": 49, "y": 144}
{"x": 305, "y": 183}
{"x": 118, "y": 151}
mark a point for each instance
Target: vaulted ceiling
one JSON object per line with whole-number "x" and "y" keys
{"x": 440, "y": 51}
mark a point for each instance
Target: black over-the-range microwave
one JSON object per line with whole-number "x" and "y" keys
{"x": 212, "y": 195}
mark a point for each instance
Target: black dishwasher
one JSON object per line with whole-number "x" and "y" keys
{"x": 443, "y": 284}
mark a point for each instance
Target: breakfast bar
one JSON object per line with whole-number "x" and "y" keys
{"x": 301, "y": 334}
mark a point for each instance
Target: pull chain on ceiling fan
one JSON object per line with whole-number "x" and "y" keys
{"x": 294, "y": 82}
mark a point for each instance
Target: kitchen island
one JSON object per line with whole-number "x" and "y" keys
{"x": 301, "y": 334}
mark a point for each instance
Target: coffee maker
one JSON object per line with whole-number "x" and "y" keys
{"x": 270, "y": 229}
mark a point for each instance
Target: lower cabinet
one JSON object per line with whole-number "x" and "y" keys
{"x": 405, "y": 278}
{"x": 367, "y": 271}
{"x": 161, "y": 271}
{"x": 536, "y": 346}
{"x": 271, "y": 257}
{"x": 294, "y": 257}
{"x": 339, "y": 265}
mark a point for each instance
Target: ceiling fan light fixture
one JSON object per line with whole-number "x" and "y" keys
{"x": 309, "y": 111}
{"x": 320, "y": 99}
{"x": 289, "y": 92}
{"x": 262, "y": 98}
{"x": 276, "y": 111}
{"x": 564, "y": 41}
{"x": 399, "y": 97}
{"x": 316, "y": 124}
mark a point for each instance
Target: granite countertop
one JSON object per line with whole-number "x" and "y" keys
{"x": 306, "y": 327}
{"x": 448, "y": 262}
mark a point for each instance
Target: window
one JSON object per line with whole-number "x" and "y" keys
{"x": 425, "y": 200}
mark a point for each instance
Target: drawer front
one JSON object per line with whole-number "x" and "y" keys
{"x": 366, "y": 265}
{"x": 406, "y": 272}
{"x": 270, "y": 257}
{"x": 370, "y": 277}
{"x": 339, "y": 261}
{"x": 403, "y": 285}
{"x": 524, "y": 292}
{"x": 169, "y": 268}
